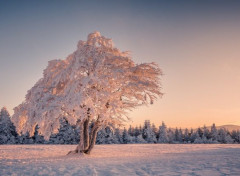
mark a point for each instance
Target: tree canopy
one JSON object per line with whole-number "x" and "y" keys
{"x": 95, "y": 84}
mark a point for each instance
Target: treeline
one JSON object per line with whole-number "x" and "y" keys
{"x": 147, "y": 133}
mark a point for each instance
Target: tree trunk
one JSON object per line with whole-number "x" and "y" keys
{"x": 80, "y": 147}
{"x": 92, "y": 139}
{"x": 87, "y": 141}
{"x": 86, "y": 134}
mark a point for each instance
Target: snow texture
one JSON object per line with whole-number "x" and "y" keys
{"x": 129, "y": 159}
{"x": 97, "y": 83}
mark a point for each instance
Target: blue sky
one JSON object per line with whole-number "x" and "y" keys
{"x": 196, "y": 43}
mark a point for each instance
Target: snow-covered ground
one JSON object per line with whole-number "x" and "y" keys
{"x": 129, "y": 159}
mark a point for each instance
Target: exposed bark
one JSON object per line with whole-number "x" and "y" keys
{"x": 80, "y": 147}
{"x": 86, "y": 130}
{"x": 87, "y": 139}
{"x": 93, "y": 139}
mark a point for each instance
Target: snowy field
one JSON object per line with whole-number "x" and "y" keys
{"x": 129, "y": 159}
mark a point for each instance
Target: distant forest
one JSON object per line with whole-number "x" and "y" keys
{"x": 147, "y": 133}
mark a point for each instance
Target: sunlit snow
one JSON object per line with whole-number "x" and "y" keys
{"x": 131, "y": 159}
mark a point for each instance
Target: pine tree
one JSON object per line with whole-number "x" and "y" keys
{"x": 178, "y": 135}
{"x": 206, "y": 132}
{"x": 193, "y": 135}
{"x": 137, "y": 131}
{"x": 101, "y": 137}
{"x": 117, "y": 138}
{"x": 171, "y": 136}
{"x": 66, "y": 134}
{"x": 186, "y": 136}
{"x": 38, "y": 139}
{"x": 224, "y": 137}
{"x": 148, "y": 134}
{"x": 8, "y": 134}
{"x": 214, "y": 132}
{"x": 163, "y": 137}
{"x": 155, "y": 130}
{"x": 131, "y": 131}
{"x": 236, "y": 136}
{"x": 126, "y": 137}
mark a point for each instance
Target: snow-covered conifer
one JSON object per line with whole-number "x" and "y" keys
{"x": 171, "y": 136}
{"x": 163, "y": 137}
{"x": 126, "y": 137}
{"x": 137, "y": 131}
{"x": 235, "y": 136}
{"x": 186, "y": 135}
{"x": 214, "y": 133}
{"x": 131, "y": 131}
{"x": 178, "y": 135}
{"x": 117, "y": 137}
{"x": 8, "y": 134}
{"x": 148, "y": 134}
{"x": 66, "y": 134}
{"x": 224, "y": 137}
{"x": 37, "y": 138}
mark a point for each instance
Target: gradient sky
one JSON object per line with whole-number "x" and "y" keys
{"x": 196, "y": 44}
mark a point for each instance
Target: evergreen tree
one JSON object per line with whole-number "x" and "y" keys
{"x": 198, "y": 139}
{"x": 117, "y": 138}
{"x": 224, "y": 137}
{"x": 186, "y": 136}
{"x": 148, "y": 134}
{"x": 38, "y": 139}
{"x": 178, "y": 135}
{"x": 137, "y": 131}
{"x": 125, "y": 137}
{"x": 8, "y": 134}
{"x": 214, "y": 132}
{"x": 131, "y": 131}
{"x": 139, "y": 139}
{"x": 105, "y": 136}
{"x": 155, "y": 130}
{"x": 236, "y": 136}
{"x": 171, "y": 136}
{"x": 206, "y": 132}
{"x": 163, "y": 137}
{"x": 193, "y": 135}
{"x": 66, "y": 134}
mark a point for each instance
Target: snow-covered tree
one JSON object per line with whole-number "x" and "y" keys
{"x": 155, "y": 130}
{"x": 193, "y": 135}
{"x": 236, "y": 136}
{"x": 178, "y": 135}
{"x": 163, "y": 137}
{"x": 105, "y": 136}
{"x": 214, "y": 132}
{"x": 131, "y": 131}
{"x": 117, "y": 138}
{"x": 126, "y": 138}
{"x": 137, "y": 131}
{"x": 187, "y": 135}
{"x": 198, "y": 139}
{"x": 139, "y": 139}
{"x": 224, "y": 137}
{"x": 206, "y": 132}
{"x": 8, "y": 132}
{"x": 66, "y": 134}
{"x": 171, "y": 135}
{"x": 37, "y": 138}
{"x": 97, "y": 84}
{"x": 148, "y": 133}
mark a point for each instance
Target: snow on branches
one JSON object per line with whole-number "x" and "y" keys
{"x": 97, "y": 82}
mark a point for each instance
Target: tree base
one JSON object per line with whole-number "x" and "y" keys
{"x": 81, "y": 153}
